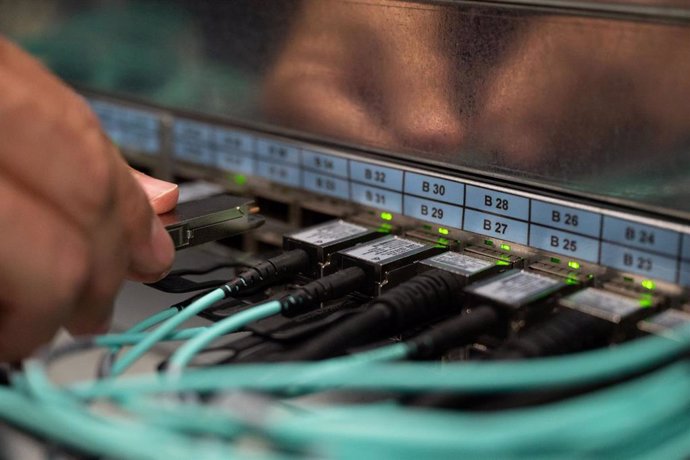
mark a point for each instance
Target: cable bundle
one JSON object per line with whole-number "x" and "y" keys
{"x": 646, "y": 416}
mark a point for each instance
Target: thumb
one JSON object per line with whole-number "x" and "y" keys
{"x": 162, "y": 195}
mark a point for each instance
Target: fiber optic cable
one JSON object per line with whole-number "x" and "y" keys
{"x": 166, "y": 328}
{"x": 106, "y": 362}
{"x": 132, "y": 338}
{"x": 231, "y": 324}
{"x": 480, "y": 377}
{"x": 283, "y": 265}
{"x": 602, "y": 420}
{"x": 458, "y": 330}
{"x": 111, "y": 436}
{"x": 298, "y": 301}
{"x": 520, "y": 434}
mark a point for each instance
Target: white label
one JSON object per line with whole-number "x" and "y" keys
{"x": 641, "y": 236}
{"x": 458, "y": 263}
{"x": 517, "y": 289}
{"x": 604, "y": 304}
{"x": 328, "y": 233}
{"x": 384, "y": 249}
{"x": 666, "y": 323}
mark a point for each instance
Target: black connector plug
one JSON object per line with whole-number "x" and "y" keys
{"x": 569, "y": 331}
{"x": 312, "y": 295}
{"x": 454, "y": 332}
{"x": 420, "y": 299}
{"x": 271, "y": 270}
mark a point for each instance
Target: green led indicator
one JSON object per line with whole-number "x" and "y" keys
{"x": 239, "y": 179}
{"x": 646, "y": 301}
{"x": 555, "y": 260}
{"x": 443, "y": 231}
{"x": 488, "y": 242}
{"x": 574, "y": 265}
{"x": 442, "y": 243}
{"x": 502, "y": 263}
{"x": 505, "y": 247}
{"x": 648, "y": 284}
{"x": 386, "y": 216}
{"x": 571, "y": 281}
{"x": 384, "y": 228}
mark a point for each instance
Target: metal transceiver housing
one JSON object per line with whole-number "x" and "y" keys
{"x": 387, "y": 261}
{"x": 323, "y": 240}
{"x": 210, "y": 219}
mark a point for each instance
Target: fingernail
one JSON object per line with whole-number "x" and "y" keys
{"x": 163, "y": 251}
{"x": 161, "y": 194}
{"x": 156, "y": 189}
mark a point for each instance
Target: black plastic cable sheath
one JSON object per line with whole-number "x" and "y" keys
{"x": 569, "y": 331}
{"x": 454, "y": 332}
{"x": 419, "y": 300}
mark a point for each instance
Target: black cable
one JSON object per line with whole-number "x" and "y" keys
{"x": 418, "y": 300}
{"x": 253, "y": 277}
{"x": 313, "y": 294}
{"x": 209, "y": 269}
{"x": 299, "y": 301}
{"x": 176, "y": 283}
{"x": 568, "y": 331}
{"x": 454, "y": 332}
{"x": 269, "y": 271}
{"x": 4, "y": 375}
{"x": 282, "y": 266}
{"x": 529, "y": 398}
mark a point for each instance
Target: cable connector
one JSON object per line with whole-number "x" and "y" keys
{"x": 270, "y": 270}
{"x": 312, "y": 295}
{"x": 568, "y": 331}
{"x": 457, "y": 331}
{"x": 420, "y": 299}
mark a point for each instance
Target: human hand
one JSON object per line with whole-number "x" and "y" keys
{"x": 76, "y": 220}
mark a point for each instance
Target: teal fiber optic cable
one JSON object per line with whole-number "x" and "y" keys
{"x": 153, "y": 320}
{"x": 114, "y": 437}
{"x": 231, "y": 324}
{"x": 554, "y": 372}
{"x": 131, "y": 338}
{"x": 166, "y": 328}
{"x": 143, "y": 325}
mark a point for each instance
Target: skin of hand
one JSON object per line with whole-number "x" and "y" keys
{"x": 76, "y": 219}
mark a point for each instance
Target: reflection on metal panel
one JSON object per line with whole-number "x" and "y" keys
{"x": 596, "y": 103}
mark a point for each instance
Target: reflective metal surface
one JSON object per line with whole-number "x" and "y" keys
{"x": 592, "y": 97}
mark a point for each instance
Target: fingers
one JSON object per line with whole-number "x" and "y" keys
{"x": 76, "y": 220}
{"x": 45, "y": 268}
{"x": 149, "y": 247}
{"x": 162, "y": 195}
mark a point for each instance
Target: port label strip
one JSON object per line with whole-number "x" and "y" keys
{"x": 623, "y": 241}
